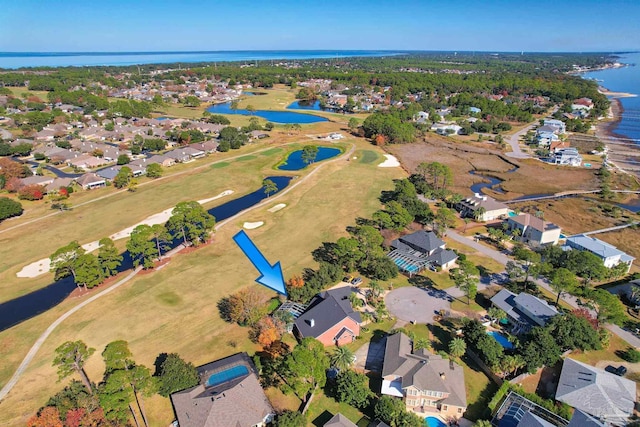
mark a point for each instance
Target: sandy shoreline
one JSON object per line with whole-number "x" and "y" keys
{"x": 622, "y": 152}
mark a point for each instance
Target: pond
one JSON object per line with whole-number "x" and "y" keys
{"x": 307, "y": 105}
{"x": 285, "y": 117}
{"x": 295, "y": 162}
{"x": 27, "y": 306}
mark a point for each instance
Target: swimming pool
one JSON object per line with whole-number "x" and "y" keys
{"x": 433, "y": 422}
{"x": 502, "y": 340}
{"x": 227, "y": 375}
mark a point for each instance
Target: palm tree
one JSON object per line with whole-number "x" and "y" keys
{"x": 457, "y": 347}
{"x": 342, "y": 358}
{"x": 479, "y": 213}
{"x": 421, "y": 343}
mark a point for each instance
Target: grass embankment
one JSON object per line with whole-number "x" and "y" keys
{"x": 174, "y": 309}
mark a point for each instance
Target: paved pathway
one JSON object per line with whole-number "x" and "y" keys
{"x": 514, "y": 141}
{"x": 569, "y": 299}
{"x": 36, "y": 346}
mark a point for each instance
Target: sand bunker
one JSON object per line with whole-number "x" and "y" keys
{"x": 252, "y": 225}
{"x": 42, "y": 266}
{"x": 391, "y": 162}
{"x": 277, "y": 207}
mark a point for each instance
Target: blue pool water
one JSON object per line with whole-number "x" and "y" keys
{"x": 227, "y": 375}
{"x": 502, "y": 340}
{"x": 272, "y": 116}
{"x": 512, "y": 214}
{"x": 433, "y": 422}
{"x": 294, "y": 162}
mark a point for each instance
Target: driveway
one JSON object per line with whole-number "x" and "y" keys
{"x": 370, "y": 356}
{"x": 417, "y": 304}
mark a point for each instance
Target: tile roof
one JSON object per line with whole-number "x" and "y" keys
{"x": 528, "y": 220}
{"x": 238, "y": 402}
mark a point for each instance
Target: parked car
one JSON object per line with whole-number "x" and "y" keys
{"x": 356, "y": 281}
{"x": 621, "y": 370}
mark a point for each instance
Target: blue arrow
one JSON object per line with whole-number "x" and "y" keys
{"x": 271, "y": 275}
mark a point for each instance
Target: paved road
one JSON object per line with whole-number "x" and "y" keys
{"x": 569, "y": 299}
{"x": 514, "y": 141}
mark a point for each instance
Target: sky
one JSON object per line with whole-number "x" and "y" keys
{"x": 210, "y": 25}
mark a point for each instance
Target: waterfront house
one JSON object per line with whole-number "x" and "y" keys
{"x": 533, "y": 230}
{"x": 229, "y": 394}
{"x": 329, "y": 318}
{"x": 606, "y": 396}
{"x": 524, "y": 310}
{"x": 446, "y": 128}
{"x": 422, "y": 249}
{"x": 427, "y": 383}
{"x": 566, "y": 156}
{"x": 558, "y": 124}
{"x": 610, "y": 255}
{"x": 489, "y": 207}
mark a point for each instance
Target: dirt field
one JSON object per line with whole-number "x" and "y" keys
{"x": 531, "y": 177}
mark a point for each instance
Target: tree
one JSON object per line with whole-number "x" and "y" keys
{"x": 290, "y": 419}
{"x": 70, "y": 357}
{"x": 47, "y": 417}
{"x": 88, "y": 271}
{"x": 141, "y": 246}
{"x": 191, "y": 222}
{"x": 176, "y": 374}
{"x": 154, "y": 170}
{"x": 352, "y": 388}
{"x": 393, "y": 412}
{"x": 529, "y": 258}
{"x": 109, "y": 257}
{"x": 161, "y": 236}
{"x": 563, "y": 280}
{"x": 457, "y": 347}
{"x": 63, "y": 261}
{"x": 482, "y": 423}
{"x": 269, "y": 187}
{"x": 478, "y": 214}
{"x": 309, "y": 153}
{"x": 443, "y": 219}
{"x": 572, "y": 332}
{"x": 466, "y": 278}
{"x": 342, "y": 358}
{"x": 267, "y": 330}
{"x": 496, "y": 313}
{"x": 437, "y": 174}
{"x": 31, "y": 192}
{"x": 353, "y": 124}
{"x": 540, "y": 349}
{"x": 608, "y": 307}
{"x": 245, "y": 307}
{"x": 250, "y": 109}
{"x": 9, "y": 208}
{"x": 123, "y": 159}
{"x": 123, "y": 177}
{"x": 306, "y": 368}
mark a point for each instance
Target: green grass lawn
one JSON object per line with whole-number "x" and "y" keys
{"x": 323, "y": 407}
{"x": 174, "y": 309}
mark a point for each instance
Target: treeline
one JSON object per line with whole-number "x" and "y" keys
{"x": 120, "y": 395}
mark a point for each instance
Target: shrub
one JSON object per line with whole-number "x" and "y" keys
{"x": 9, "y": 208}
{"x": 631, "y": 355}
{"x": 31, "y": 192}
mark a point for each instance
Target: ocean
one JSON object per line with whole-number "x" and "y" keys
{"x": 12, "y": 60}
{"x": 626, "y": 79}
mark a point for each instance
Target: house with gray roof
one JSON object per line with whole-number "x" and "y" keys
{"x": 610, "y": 255}
{"x": 90, "y": 180}
{"x": 426, "y": 382}
{"x": 229, "y": 394}
{"x": 482, "y": 208}
{"x": 329, "y": 318}
{"x": 605, "y": 396}
{"x": 339, "y": 420}
{"x": 422, "y": 249}
{"x": 524, "y": 310}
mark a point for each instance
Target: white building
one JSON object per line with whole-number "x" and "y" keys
{"x": 610, "y": 255}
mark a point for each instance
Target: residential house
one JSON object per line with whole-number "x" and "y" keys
{"x": 207, "y": 146}
{"x": 584, "y": 104}
{"x": 475, "y": 110}
{"x": 184, "y": 154}
{"x": 422, "y": 249}
{"x": 524, "y": 310}
{"x": 558, "y": 124}
{"x": 427, "y": 383}
{"x": 610, "y": 255}
{"x": 533, "y": 230}
{"x": 86, "y": 162}
{"x": 229, "y": 394}
{"x": 558, "y": 145}
{"x": 37, "y": 180}
{"x": 258, "y": 134}
{"x": 606, "y": 396}
{"x": 330, "y": 318}
{"x": 566, "y": 156}
{"x": 482, "y": 208}
{"x": 161, "y": 159}
{"x": 446, "y": 128}
{"x": 421, "y": 117}
{"x": 339, "y": 420}
{"x": 546, "y": 135}
{"x": 90, "y": 180}
{"x": 58, "y": 183}
{"x": 57, "y": 155}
